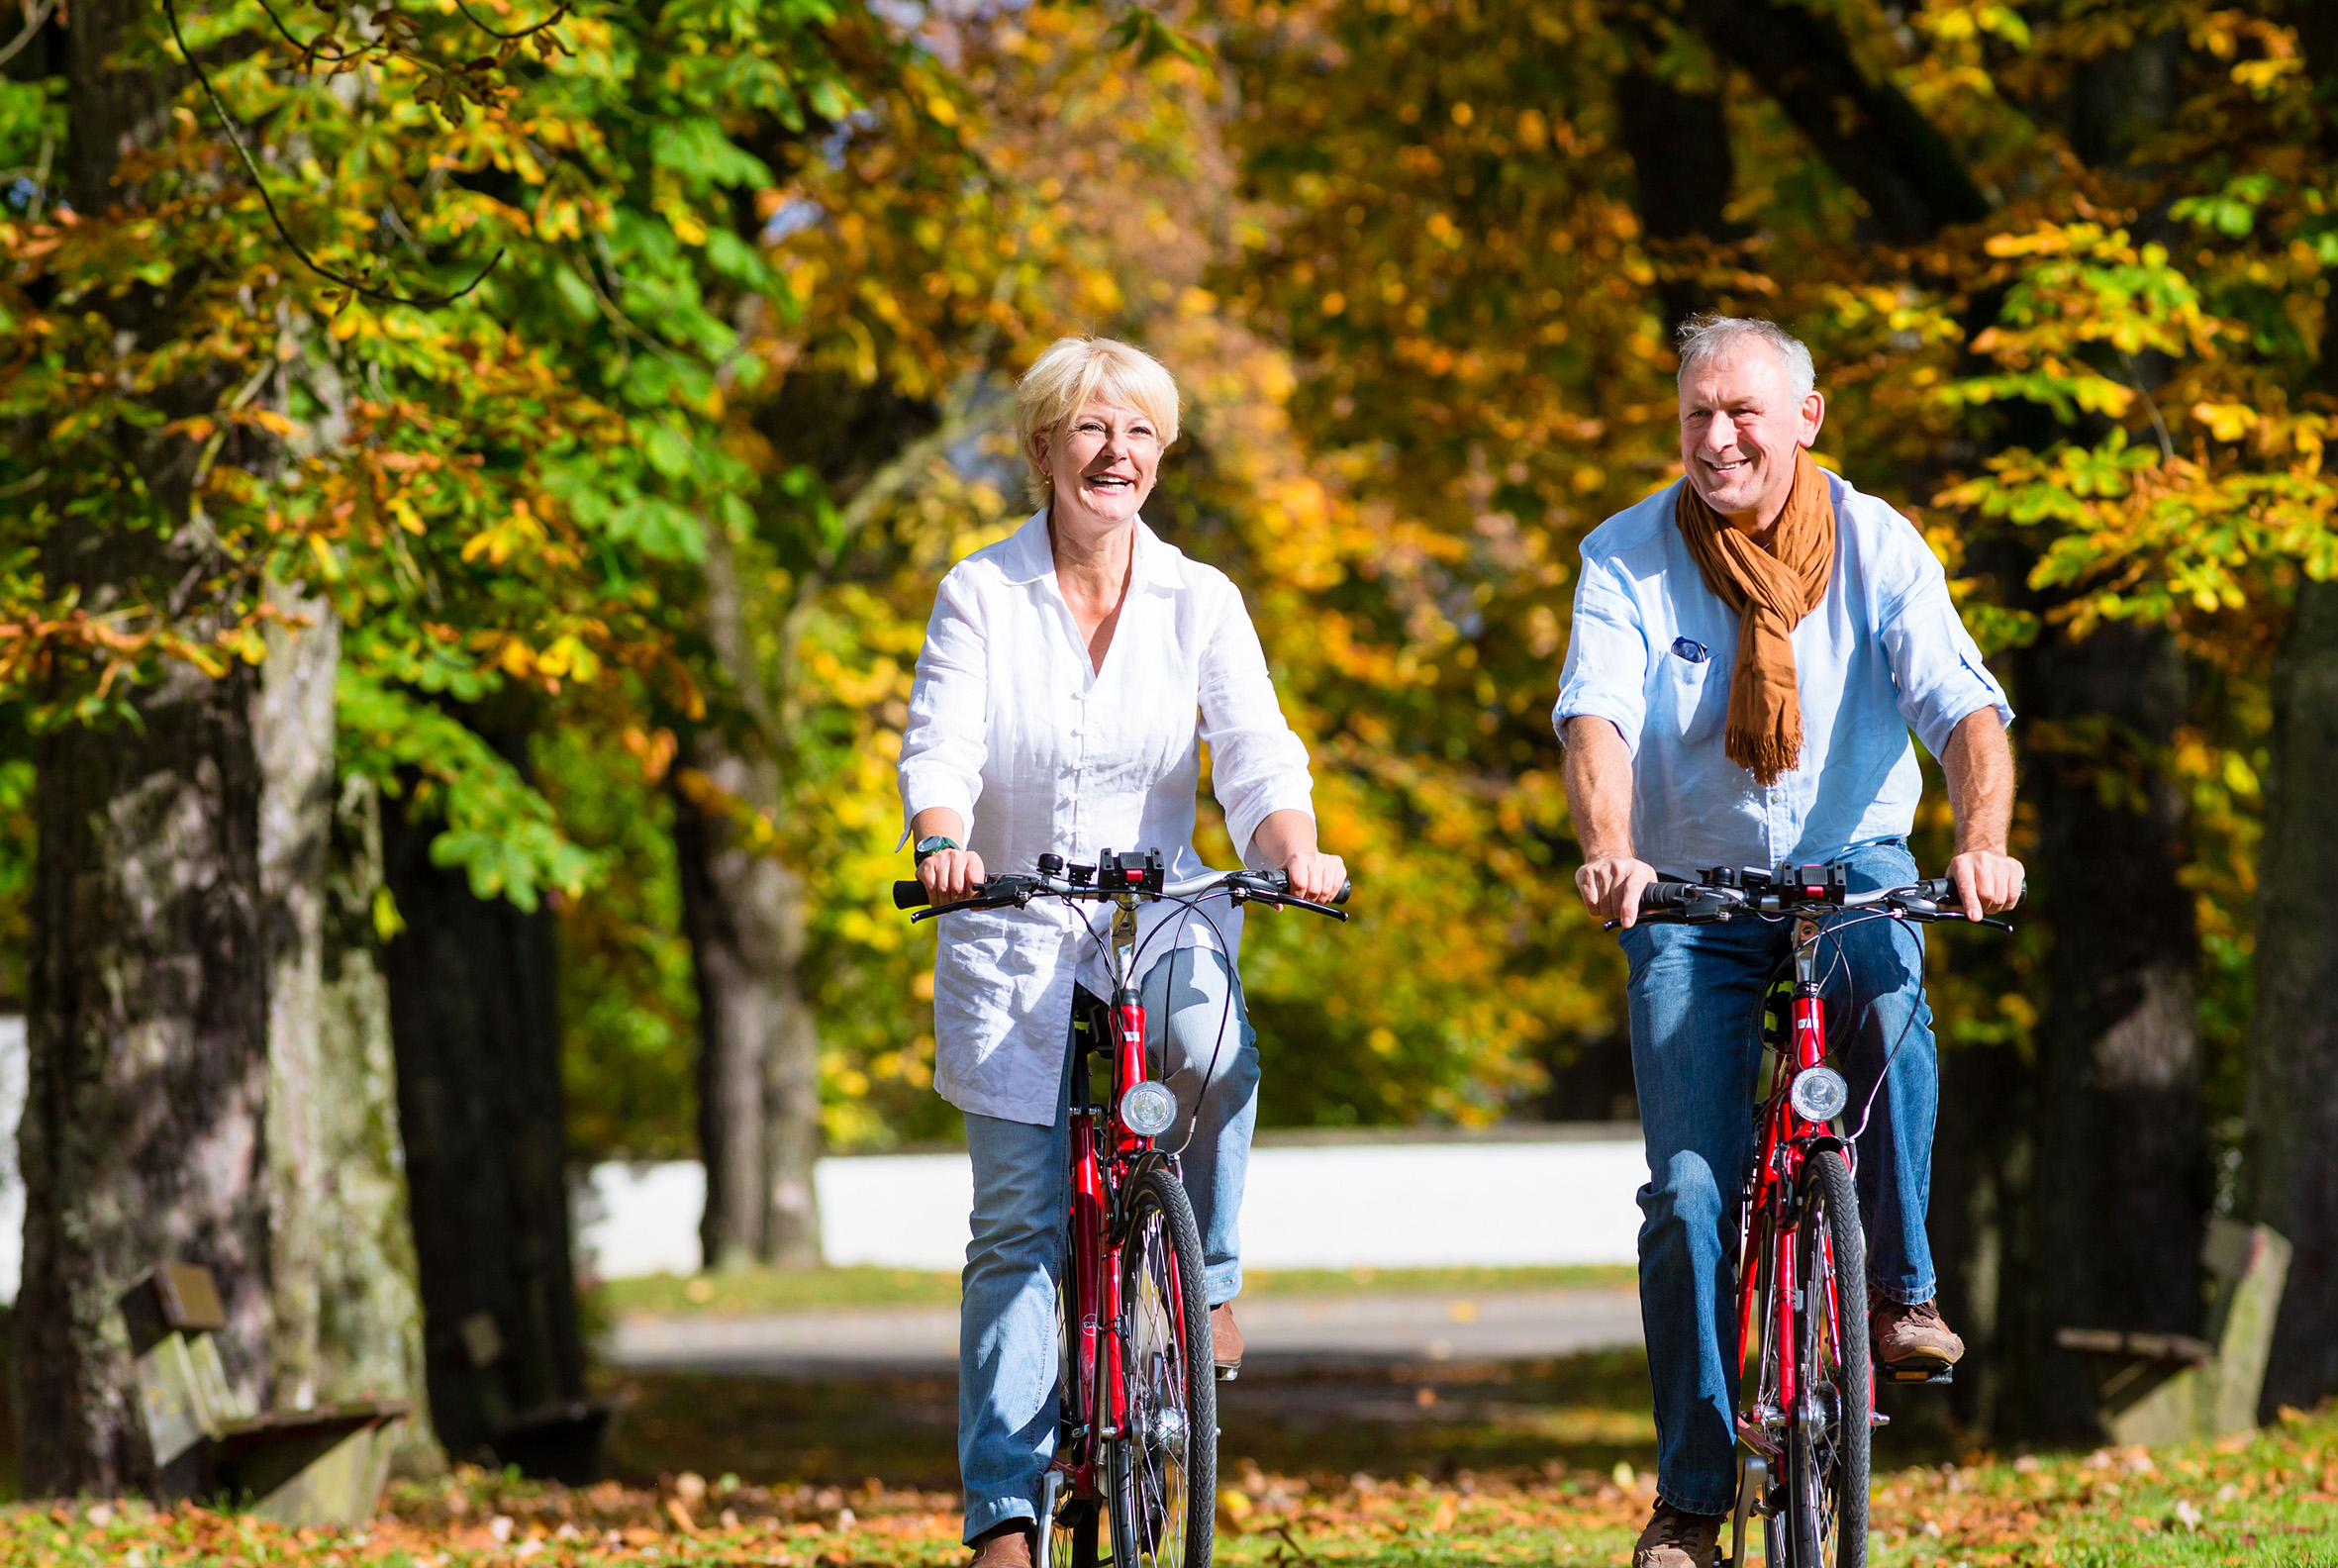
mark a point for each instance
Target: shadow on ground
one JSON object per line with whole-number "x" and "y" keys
{"x": 1582, "y": 1413}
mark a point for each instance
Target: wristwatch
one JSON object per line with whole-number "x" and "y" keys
{"x": 935, "y": 844}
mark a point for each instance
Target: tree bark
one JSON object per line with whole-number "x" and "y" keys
{"x": 293, "y": 739}
{"x": 2290, "y": 1154}
{"x": 2122, "y": 1181}
{"x": 369, "y": 1316}
{"x": 142, "y": 1136}
{"x": 473, "y": 1024}
{"x": 742, "y": 908}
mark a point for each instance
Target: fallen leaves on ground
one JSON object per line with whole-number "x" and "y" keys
{"x": 2271, "y": 1497}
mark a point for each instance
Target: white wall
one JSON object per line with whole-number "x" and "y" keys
{"x": 1459, "y": 1202}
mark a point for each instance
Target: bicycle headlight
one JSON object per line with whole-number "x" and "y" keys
{"x": 1148, "y": 1108}
{"x": 1818, "y": 1094}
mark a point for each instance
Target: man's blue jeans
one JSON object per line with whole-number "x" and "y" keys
{"x": 1007, "y": 1349}
{"x": 1696, "y": 1017}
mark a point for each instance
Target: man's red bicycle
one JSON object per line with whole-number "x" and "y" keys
{"x": 1137, "y": 1440}
{"x": 1808, "y": 1417}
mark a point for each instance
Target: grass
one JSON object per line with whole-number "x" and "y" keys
{"x": 750, "y": 1291}
{"x": 2269, "y": 1498}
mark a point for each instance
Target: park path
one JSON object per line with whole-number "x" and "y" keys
{"x": 1283, "y": 1332}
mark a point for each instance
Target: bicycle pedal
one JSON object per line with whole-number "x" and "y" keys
{"x": 1920, "y": 1376}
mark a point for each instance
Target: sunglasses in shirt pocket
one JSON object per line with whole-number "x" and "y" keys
{"x": 1689, "y": 698}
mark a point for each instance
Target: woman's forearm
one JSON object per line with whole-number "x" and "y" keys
{"x": 937, "y": 821}
{"x": 1284, "y": 834}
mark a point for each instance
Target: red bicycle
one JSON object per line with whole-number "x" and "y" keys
{"x": 1137, "y": 1436}
{"x": 1807, "y": 1419}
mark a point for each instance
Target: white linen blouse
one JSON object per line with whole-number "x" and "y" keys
{"x": 1037, "y": 751}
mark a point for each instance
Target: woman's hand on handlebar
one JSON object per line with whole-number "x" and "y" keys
{"x": 1610, "y": 888}
{"x": 951, "y": 876}
{"x": 1315, "y": 876}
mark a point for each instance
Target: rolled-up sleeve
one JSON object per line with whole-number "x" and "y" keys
{"x": 946, "y": 743}
{"x": 1257, "y": 765}
{"x": 1934, "y": 660}
{"x": 1606, "y": 675}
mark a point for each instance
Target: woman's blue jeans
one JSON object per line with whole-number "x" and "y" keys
{"x": 1007, "y": 1349}
{"x": 1696, "y": 999}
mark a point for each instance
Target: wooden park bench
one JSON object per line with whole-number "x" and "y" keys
{"x": 322, "y": 1467}
{"x": 2157, "y": 1388}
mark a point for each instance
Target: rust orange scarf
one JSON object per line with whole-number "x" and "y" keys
{"x": 1770, "y": 588}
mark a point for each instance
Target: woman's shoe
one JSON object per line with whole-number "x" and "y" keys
{"x": 1225, "y": 1340}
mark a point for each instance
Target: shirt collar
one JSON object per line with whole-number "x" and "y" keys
{"x": 1034, "y": 559}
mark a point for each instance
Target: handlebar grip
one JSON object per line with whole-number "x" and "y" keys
{"x": 910, "y": 895}
{"x": 1281, "y": 882}
{"x": 1659, "y": 896}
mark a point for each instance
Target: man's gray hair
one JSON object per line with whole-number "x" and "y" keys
{"x": 1704, "y": 338}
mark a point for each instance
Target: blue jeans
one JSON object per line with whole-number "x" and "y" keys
{"x": 1695, "y": 998}
{"x": 1007, "y": 1349}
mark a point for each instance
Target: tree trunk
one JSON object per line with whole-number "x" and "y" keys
{"x": 142, "y": 1133}
{"x": 2290, "y": 1151}
{"x": 370, "y": 1317}
{"x": 2122, "y": 1182}
{"x": 293, "y": 738}
{"x": 478, "y": 1067}
{"x": 2290, "y": 1154}
{"x": 744, "y": 909}
{"x": 1682, "y": 171}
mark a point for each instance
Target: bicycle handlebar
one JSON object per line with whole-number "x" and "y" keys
{"x": 1725, "y": 892}
{"x": 1019, "y": 889}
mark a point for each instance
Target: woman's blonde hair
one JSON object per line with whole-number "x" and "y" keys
{"x": 1071, "y": 371}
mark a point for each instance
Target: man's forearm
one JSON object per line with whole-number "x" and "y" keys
{"x": 1980, "y": 766}
{"x": 1599, "y": 788}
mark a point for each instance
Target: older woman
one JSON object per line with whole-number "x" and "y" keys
{"x": 1069, "y": 674}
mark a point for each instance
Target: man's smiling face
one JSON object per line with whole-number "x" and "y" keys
{"x": 1740, "y": 427}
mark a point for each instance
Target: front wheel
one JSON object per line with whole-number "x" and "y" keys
{"x": 1827, "y": 1433}
{"x": 1164, "y": 1465}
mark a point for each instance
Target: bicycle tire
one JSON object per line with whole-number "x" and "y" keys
{"x": 1164, "y": 1463}
{"x": 1829, "y": 1436}
{"x": 1073, "y": 1531}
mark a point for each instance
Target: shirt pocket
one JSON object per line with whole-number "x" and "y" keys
{"x": 1691, "y": 699}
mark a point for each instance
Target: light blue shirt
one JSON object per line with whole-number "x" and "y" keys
{"x": 1883, "y": 654}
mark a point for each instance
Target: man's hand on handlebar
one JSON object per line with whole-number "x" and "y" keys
{"x": 1610, "y": 888}
{"x": 1985, "y": 881}
{"x": 952, "y": 875}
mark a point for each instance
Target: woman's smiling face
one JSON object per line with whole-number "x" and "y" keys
{"x": 1104, "y": 461}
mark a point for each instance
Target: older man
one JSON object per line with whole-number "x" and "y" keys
{"x": 1751, "y": 648}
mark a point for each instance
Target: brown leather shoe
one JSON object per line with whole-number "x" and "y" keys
{"x": 1225, "y": 1341}
{"x": 1006, "y": 1545}
{"x": 1911, "y": 1336}
{"x": 1676, "y": 1538}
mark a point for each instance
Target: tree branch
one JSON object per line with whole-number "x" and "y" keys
{"x": 1867, "y": 131}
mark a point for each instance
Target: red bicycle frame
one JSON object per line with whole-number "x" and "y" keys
{"x": 1105, "y": 1156}
{"x": 1787, "y": 1137}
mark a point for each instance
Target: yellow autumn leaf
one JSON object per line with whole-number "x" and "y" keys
{"x": 2227, "y": 422}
